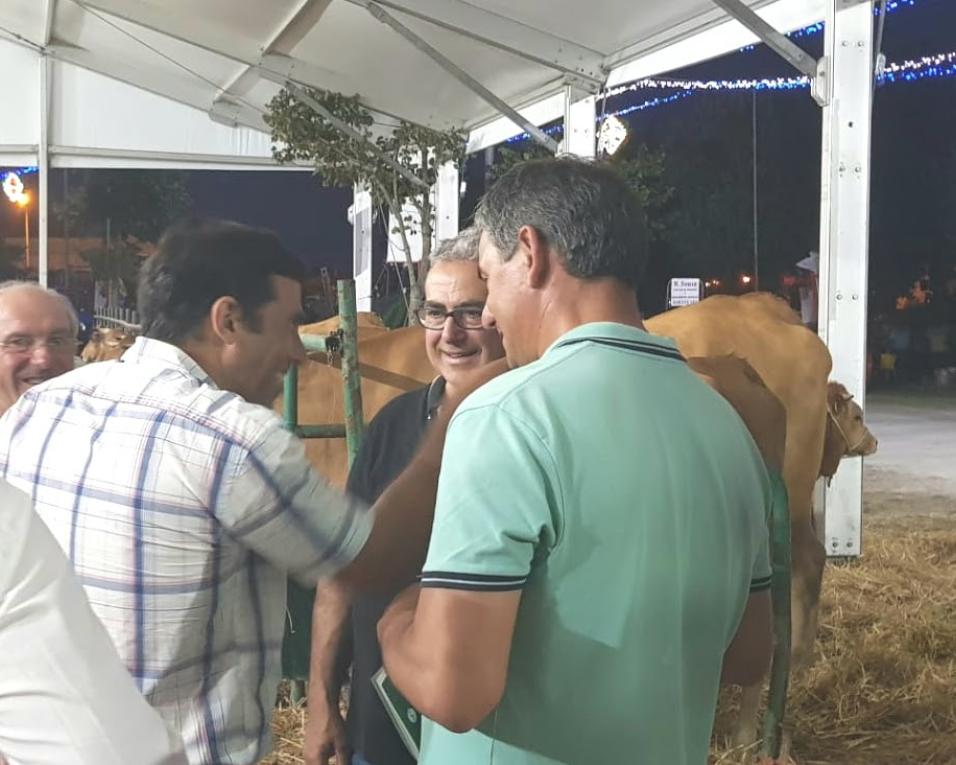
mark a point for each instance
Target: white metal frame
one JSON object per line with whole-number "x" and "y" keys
{"x": 844, "y": 241}
{"x": 458, "y": 73}
{"x": 580, "y": 127}
{"x": 843, "y": 87}
{"x": 361, "y": 216}
{"x": 520, "y": 40}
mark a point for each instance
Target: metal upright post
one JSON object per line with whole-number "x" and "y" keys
{"x": 348, "y": 323}
{"x": 844, "y": 242}
{"x": 290, "y": 398}
{"x": 780, "y": 594}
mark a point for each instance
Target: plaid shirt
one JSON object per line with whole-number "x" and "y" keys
{"x": 182, "y": 507}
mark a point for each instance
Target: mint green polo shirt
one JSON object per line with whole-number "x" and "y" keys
{"x": 628, "y": 503}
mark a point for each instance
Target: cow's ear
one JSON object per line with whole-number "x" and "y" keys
{"x": 837, "y": 396}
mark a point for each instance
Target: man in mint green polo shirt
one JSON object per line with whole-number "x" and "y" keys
{"x": 598, "y": 561}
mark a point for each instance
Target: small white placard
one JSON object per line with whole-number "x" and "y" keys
{"x": 683, "y": 292}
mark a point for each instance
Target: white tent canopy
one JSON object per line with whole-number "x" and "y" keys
{"x": 185, "y": 83}
{"x": 227, "y": 58}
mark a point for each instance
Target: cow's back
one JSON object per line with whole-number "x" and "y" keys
{"x": 762, "y": 412}
{"x": 792, "y": 361}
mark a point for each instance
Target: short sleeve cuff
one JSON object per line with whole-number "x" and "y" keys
{"x": 453, "y": 580}
{"x": 761, "y": 583}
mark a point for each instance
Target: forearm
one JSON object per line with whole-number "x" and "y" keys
{"x": 330, "y": 620}
{"x": 447, "y": 652}
{"x": 406, "y": 661}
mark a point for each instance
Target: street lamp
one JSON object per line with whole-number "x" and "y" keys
{"x": 23, "y": 202}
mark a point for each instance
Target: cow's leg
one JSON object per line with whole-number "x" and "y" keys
{"x": 808, "y": 559}
{"x": 745, "y": 732}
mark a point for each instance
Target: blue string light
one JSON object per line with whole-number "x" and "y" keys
{"x": 650, "y": 104}
{"x": 940, "y": 66}
{"x": 816, "y": 28}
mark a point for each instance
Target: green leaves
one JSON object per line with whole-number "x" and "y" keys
{"x": 300, "y": 134}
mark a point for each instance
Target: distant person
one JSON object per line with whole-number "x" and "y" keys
{"x": 456, "y": 343}
{"x": 599, "y": 557}
{"x": 37, "y": 338}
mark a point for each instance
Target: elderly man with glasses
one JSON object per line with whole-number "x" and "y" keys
{"x": 456, "y": 343}
{"x": 37, "y": 338}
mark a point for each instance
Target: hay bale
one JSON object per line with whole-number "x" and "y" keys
{"x": 883, "y": 688}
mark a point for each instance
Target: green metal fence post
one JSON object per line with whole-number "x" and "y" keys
{"x": 297, "y": 640}
{"x": 290, "y": 398}
{"x": 294, "y": 594}
{"x": 780, "y": 592}
{"x": 348, "y": 323}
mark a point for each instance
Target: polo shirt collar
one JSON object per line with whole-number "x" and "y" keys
{"x": 615, "y": 333}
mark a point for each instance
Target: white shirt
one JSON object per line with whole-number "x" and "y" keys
{"x": 65, "y": 697}
{"x": 182, "y": 507}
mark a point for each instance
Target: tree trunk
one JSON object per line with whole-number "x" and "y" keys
{"x": 427, "y": 227}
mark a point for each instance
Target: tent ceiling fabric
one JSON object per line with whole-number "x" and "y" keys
{"x": 229, "y": 57}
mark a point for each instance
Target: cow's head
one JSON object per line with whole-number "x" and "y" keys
{"x": 106, "y": 343}
{"x": 847, "y": 434}
{"x": 92, "y": 348}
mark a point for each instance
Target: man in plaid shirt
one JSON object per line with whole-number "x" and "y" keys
{"x": 183, "y": 502}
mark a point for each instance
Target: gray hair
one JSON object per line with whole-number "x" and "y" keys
{"x": 464, "y": 246}
{"x": 12, "y": 285}
{"x": 584, "y": 210}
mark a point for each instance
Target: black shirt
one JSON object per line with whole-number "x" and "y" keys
{"x": 390, "y": 442}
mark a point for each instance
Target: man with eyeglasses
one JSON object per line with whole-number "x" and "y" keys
{"x": 37, "y": 338}
{"x": 455, "y": 342}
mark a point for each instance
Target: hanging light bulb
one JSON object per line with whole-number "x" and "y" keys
{"x": 612, "y": 135}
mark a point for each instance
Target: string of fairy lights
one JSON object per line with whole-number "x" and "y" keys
{"x": 938, "y": 66}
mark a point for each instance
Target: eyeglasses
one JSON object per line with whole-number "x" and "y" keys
{"x": 24, "y": 344}
{"x": 435, "y": 316}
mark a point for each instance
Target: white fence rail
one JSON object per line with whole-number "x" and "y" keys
{"x": 123, "y": 318}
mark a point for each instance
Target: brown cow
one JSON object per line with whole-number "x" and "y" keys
{"x": 107, "y": 343}
{"x": 823, "y": 426}
{"x": 794, "y": 363}
{"x": 390, "y": 363}
{"x": 369, "y": 325}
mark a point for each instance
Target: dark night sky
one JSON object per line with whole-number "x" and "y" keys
{"x": 913, "y": 158}
{"x": 311, "y": 219}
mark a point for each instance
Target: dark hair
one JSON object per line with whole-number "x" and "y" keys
{"x": 584, "y": 210}
{"x": 200, "y": 261}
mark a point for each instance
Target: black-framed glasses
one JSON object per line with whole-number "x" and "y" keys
{"x": 432, "y": 316}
